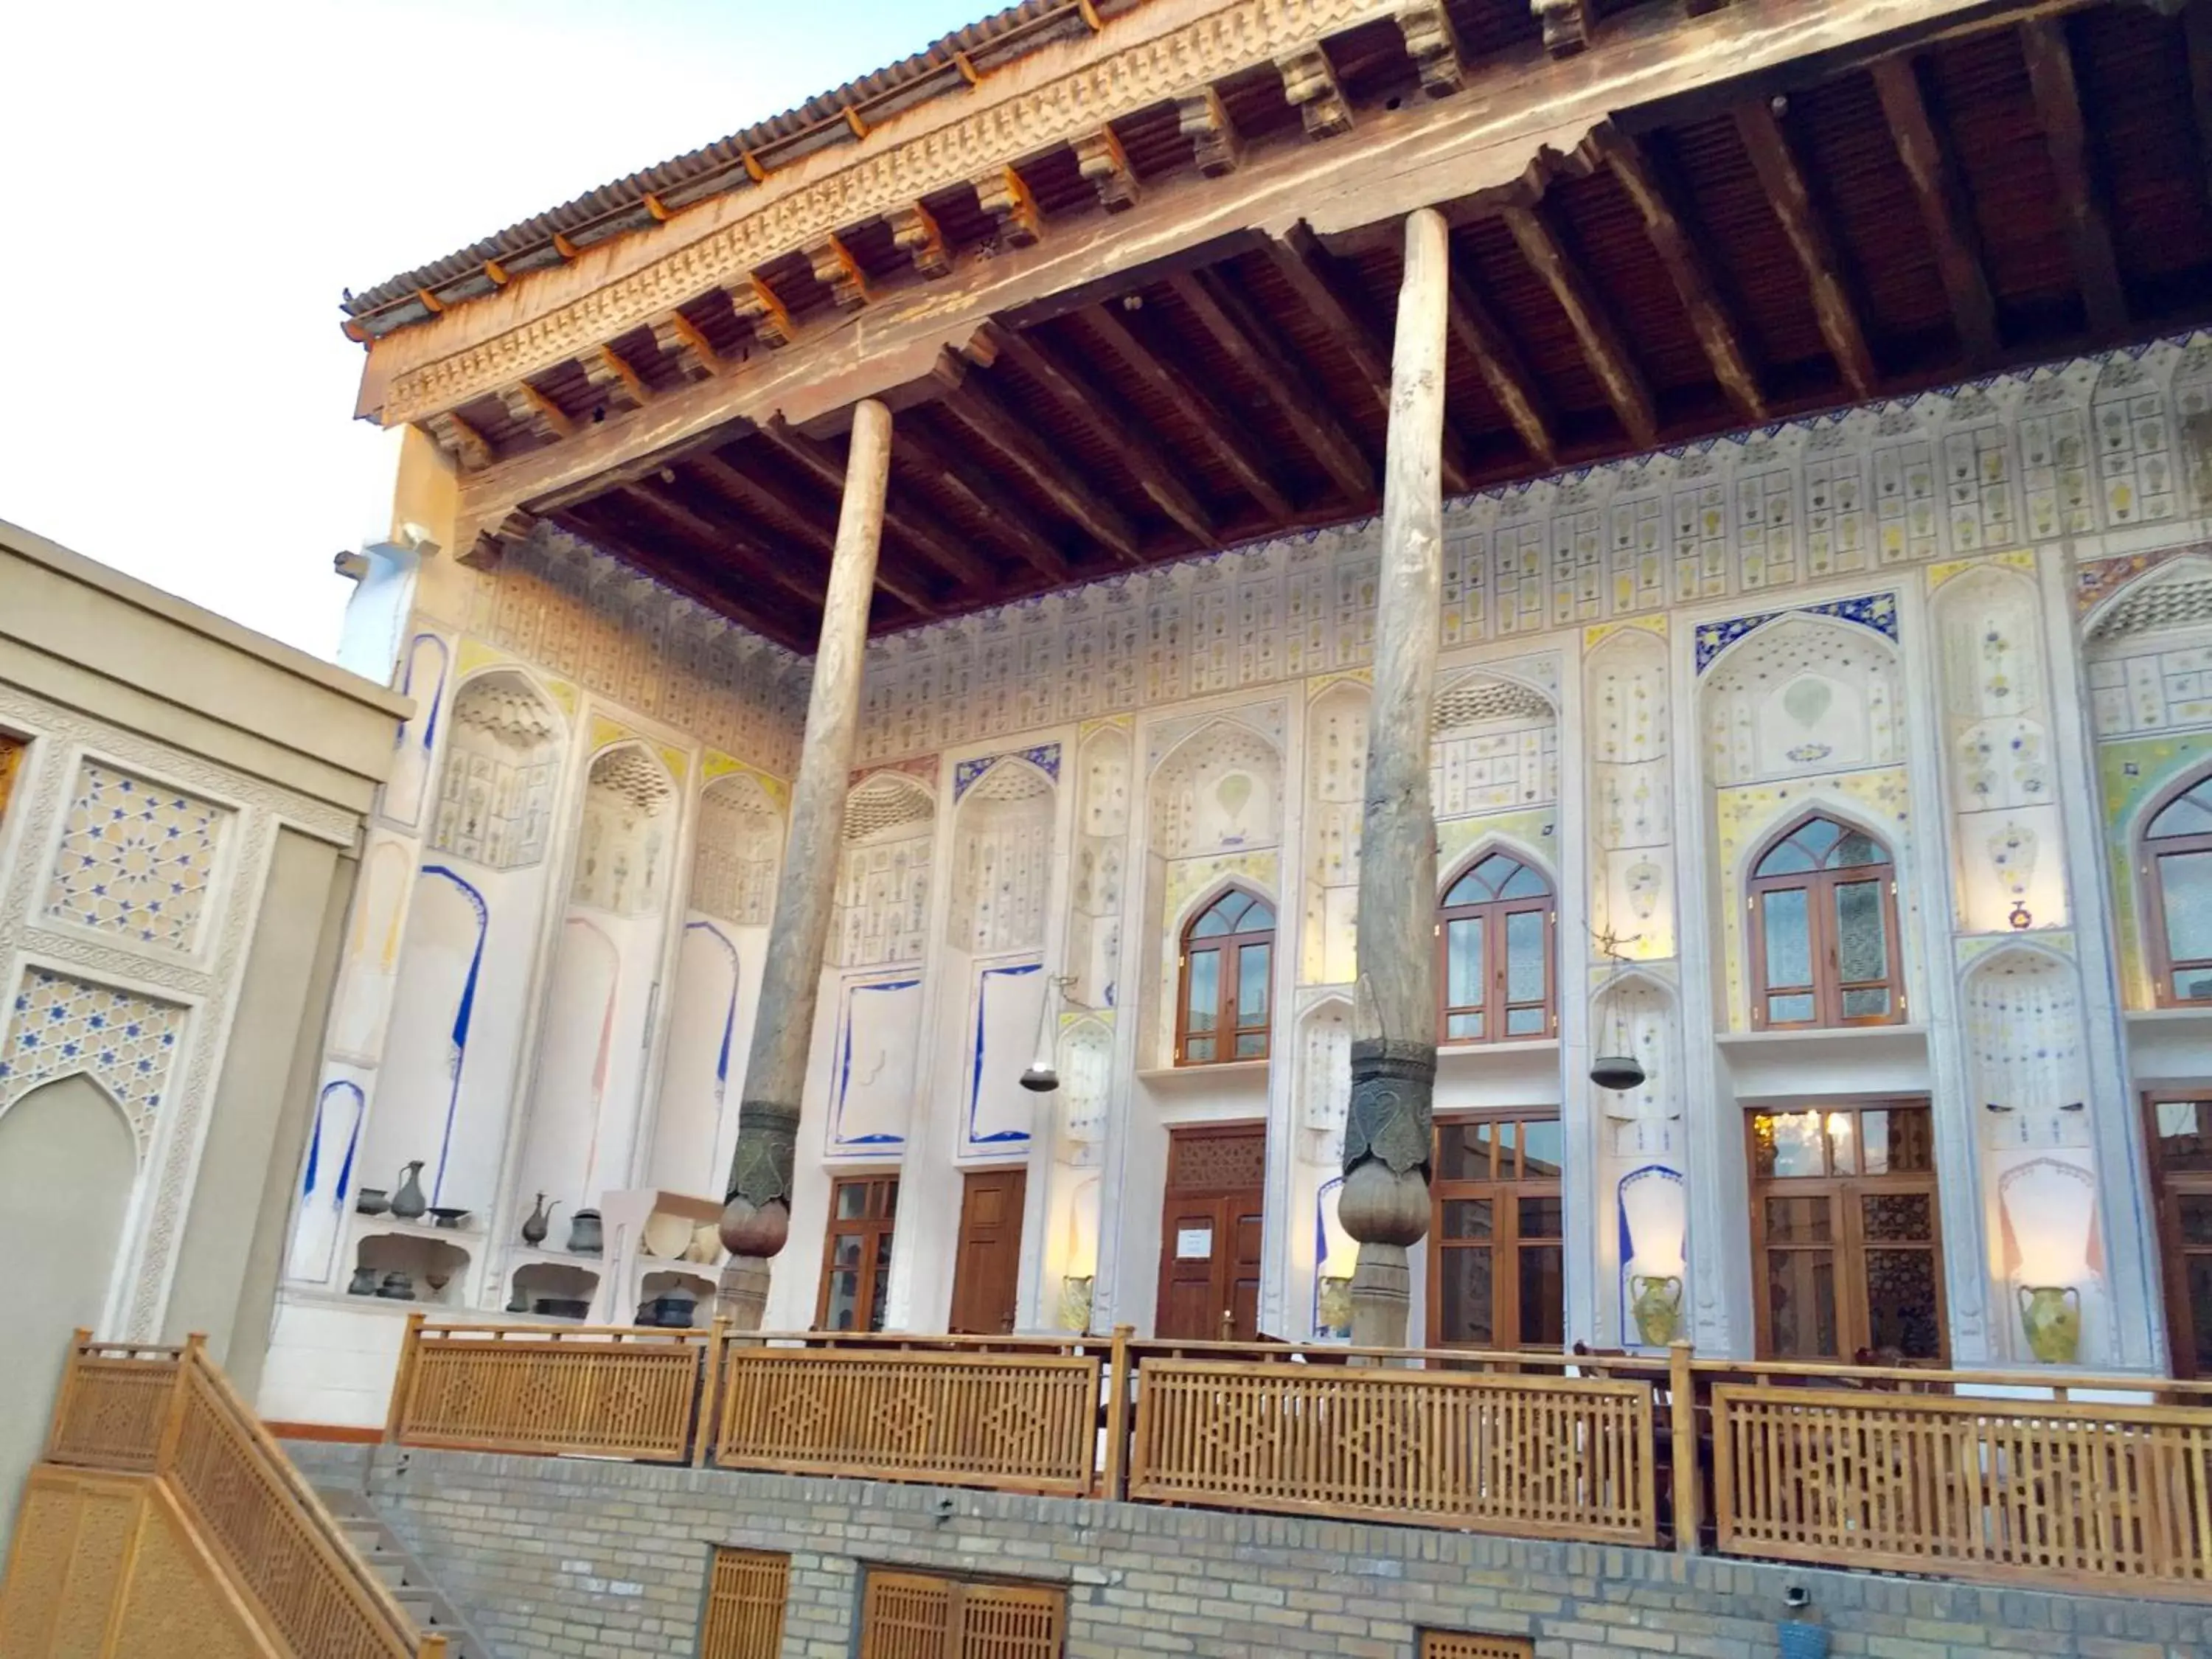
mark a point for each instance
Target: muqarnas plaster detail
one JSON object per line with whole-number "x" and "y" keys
{"x": 883, "y": 874}
{"x": 734, "y": 863}
{"x": 136, "y": 859}
{"x": 503, "y": 759}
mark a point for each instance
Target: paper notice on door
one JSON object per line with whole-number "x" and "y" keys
{"x": 1193, "y": 1243}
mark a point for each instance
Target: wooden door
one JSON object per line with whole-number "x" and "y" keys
{"x": 856, "y": 1256}
{"x": 1210, "y": 1228}
{"x": 2181, "y": 1176}
{"x": 987, "y": 1269}
{"x": 1497, "y": 1248}
{"x": 911, "y": 1615}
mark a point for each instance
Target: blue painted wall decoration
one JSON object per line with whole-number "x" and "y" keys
{"x": 1875, "y": 610}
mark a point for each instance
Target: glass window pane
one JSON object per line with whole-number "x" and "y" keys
{"x": 1789, "y": 936}
{"x": 1801, "y": 1303}
{"x": 1539, "y": 1150}
{"x": 1791, "y": 1010}
{"x": 1843, "y": 1143}
{"x": 2197, "y": 1269}
{"x": 1543, "y": 1296}
{"x": 1524, "y": 1022}
{"x": 1787, "y": 859}
{"x": 1258, "y": 918}
{"x": 888, "y": 1193}
{"x": 1203, "y": 1002}
{"x": 883, "y": 1278}
{"x": 1467, "y": 1217}
{"x": 1788, "y": 1144}
{"x": 2185, "y": 1134}
{"x": 1524, "y": 955}
{"x": 1542, "y": 1217}
{"x": 2189, "y": 815}
{"x": 1911, "y": 1141}
{"x": 1252, "y": 985}
{"x": 845, "y": 1250}
{"x": 844, "y": 1300}
{"x": 2185, "y": 880}
{"x": 1463, "y": 1151}
{"x": 1898, "y": 1217}
{"x": 1798, "y": 1221}
{"x": 1464, "y": 1300}
{"x": 1866, "y": 1004}
{"x": 1252, "y": 1045}
{"x": 851, "y": 1200}
{"x": 1818, "y": 836}
{"x": 1211, "y": 924}
{"x": 1469, "y": 889}
{"x": 1463, "y": 1028}
{"x": 1463, "y": 962}
{"x": 1496, "y": 871}
{"x": 1901, "y": 1307}
{"x": 1199, "y": 1051}
{"x": 1862, "y": 935}
{"x": 2194, "y": 1218}
{"x": 1855, "y": 850}
{"x": 1526, "y": 884}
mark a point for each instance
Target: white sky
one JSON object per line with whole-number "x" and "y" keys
{"x": 189, "y": 186}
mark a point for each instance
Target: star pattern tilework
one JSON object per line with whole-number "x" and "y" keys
{"x": 135, "y": 859}
{"x": 59, "y": 1025}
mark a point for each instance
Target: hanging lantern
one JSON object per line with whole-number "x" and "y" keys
{"x": 1042, "y": 1076}
{"x": 1620, "y": 1069}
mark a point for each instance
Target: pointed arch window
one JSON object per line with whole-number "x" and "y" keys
{"x": 1495, "y": 941}
{"x": 2178, "y": 865}
{"x": 1224, "y": 1000}
{"x": 1824, "y": 947}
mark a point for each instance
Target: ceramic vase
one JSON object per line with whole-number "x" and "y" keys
{"x": 408, "y": 1202}
{"x": 2052, "y": 1316}
{"x": 1657, "y": 1306}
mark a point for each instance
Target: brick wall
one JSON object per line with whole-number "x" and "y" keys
{"x": 608, "y": 1561}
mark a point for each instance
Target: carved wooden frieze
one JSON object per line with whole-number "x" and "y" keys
{"x": 756, "y": 306}
{"x": 836, "y": 269}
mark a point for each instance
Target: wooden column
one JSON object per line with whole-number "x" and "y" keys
{"x": 1384, "y": 1203}
{"x": 756, "y": 1205}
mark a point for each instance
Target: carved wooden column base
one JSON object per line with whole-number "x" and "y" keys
{"x": 741, "y": 1294}
{"x": 1380, "y": 1301}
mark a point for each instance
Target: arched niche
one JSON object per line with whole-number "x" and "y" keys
{"x": 738, "y": 843}
{"x": 1002, "y": 860}
{"x": 326, "y": 1181}
{"x": 375, "y": 937}
{"x": 1220, "y": 790}
{"x": 1997, "y": 743}
{"x": 577, "y": 1045}
{"x": 1632, "y": 815}
{"x": 1087, "y": 1075}
{"x": 1494, "y": 746}
{"x": 422, "y": 676}
{"x": 1324, "y": 1083}
{"x": 69, "y": 1161}
{"x": 434, "y": 1009}
{"x": 627, "y": 835}
{"x": 1099, "y": 884}
{"x": 1802, "y": 696}
{"x": 2026, "y": 1049}
{"x": 1336, "y": 775}
{"x": 1634, "y": 1014}
{"x": 496, "y": 788}
{"x": 883, "y": 872}
{"x": 1651, "y": 1214}
{"x": 702, "y": 1057}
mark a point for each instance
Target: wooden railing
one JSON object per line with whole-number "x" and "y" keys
{"x": 1537, "y": 1456}
{"x": 597, "y": 1391}
{"x": 1018, "y": 1417}
{"x": 114, "y": 1398}
{"x": 2109, "y": 1496}
{"x": 168, "y": 1416}
{"x": 1911, "y": 1469}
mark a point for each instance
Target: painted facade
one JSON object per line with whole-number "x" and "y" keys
{"x": 1972, "y": 630}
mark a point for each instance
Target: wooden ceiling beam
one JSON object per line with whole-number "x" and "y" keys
{"x": 1433, "y": 45}
{"x": 1101, "y": 159}
{"x": 1499, "y": 361}
{"x": 469, "y": 448}
{"x": 1009, "y": 518}
{"x": 1945, "y": 207}
{"x": 1254, "y": 347}
{"x": 1566, "y": 23}
{"x": 970, "y": 400}
{"x": 1651, "y": 186}
{"x": 818, "y": 528}
{"x": 2080, "y": 193}
{"x": 1603, "y": 347}
{"x": 757, "y": 608}
{"x": 1098, "y": 407}
{"x": 1782, "y": 176}
{"x": 916, "y": 233}
{"x": 721, "y": 536}
{"x": 1215, "y": 143}
{"x": 1311, "y": 271}
{"x": 1309, "y": 84}
{"x": 533, "y": 410}
{"x": 1231, "y": 440}
{"x": 607, "y": 369}
{"x": 909, "y": 519}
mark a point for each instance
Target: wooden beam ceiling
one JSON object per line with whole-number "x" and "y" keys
{"x": 1781, "y": 173}
{"x": 1534, "y": 228}
{"x": 2088, "y": 223}
{"x": 1925, "y": 149}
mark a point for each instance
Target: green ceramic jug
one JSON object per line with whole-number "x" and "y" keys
{"x": 1658, "y": 1307}
{"x": 2053, "y": 1323}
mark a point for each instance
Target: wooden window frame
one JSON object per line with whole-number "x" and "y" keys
{"x": 2155, "y": 849}
{"x": 2165, "y": 1186}
{"x": 747, "y": 1592}
{"x": 1847, "y": 1242}
{"x": 1227, "y": 1035}
{"x": 874, "y": 1226}
{"x": 953, "y": 1639}
{"x": 1496, "y": 1011}
{"x": 1505, "y": 1242}
{"x": 1819, "y": 885}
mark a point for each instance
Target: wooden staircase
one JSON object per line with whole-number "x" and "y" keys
{"x": 402, "y": 1572}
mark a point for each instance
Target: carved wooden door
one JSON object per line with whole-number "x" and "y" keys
{"x": 987, "y": 1269}
{"x": 1210, "y": 1228}
{"x": 911, "y": 1615}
